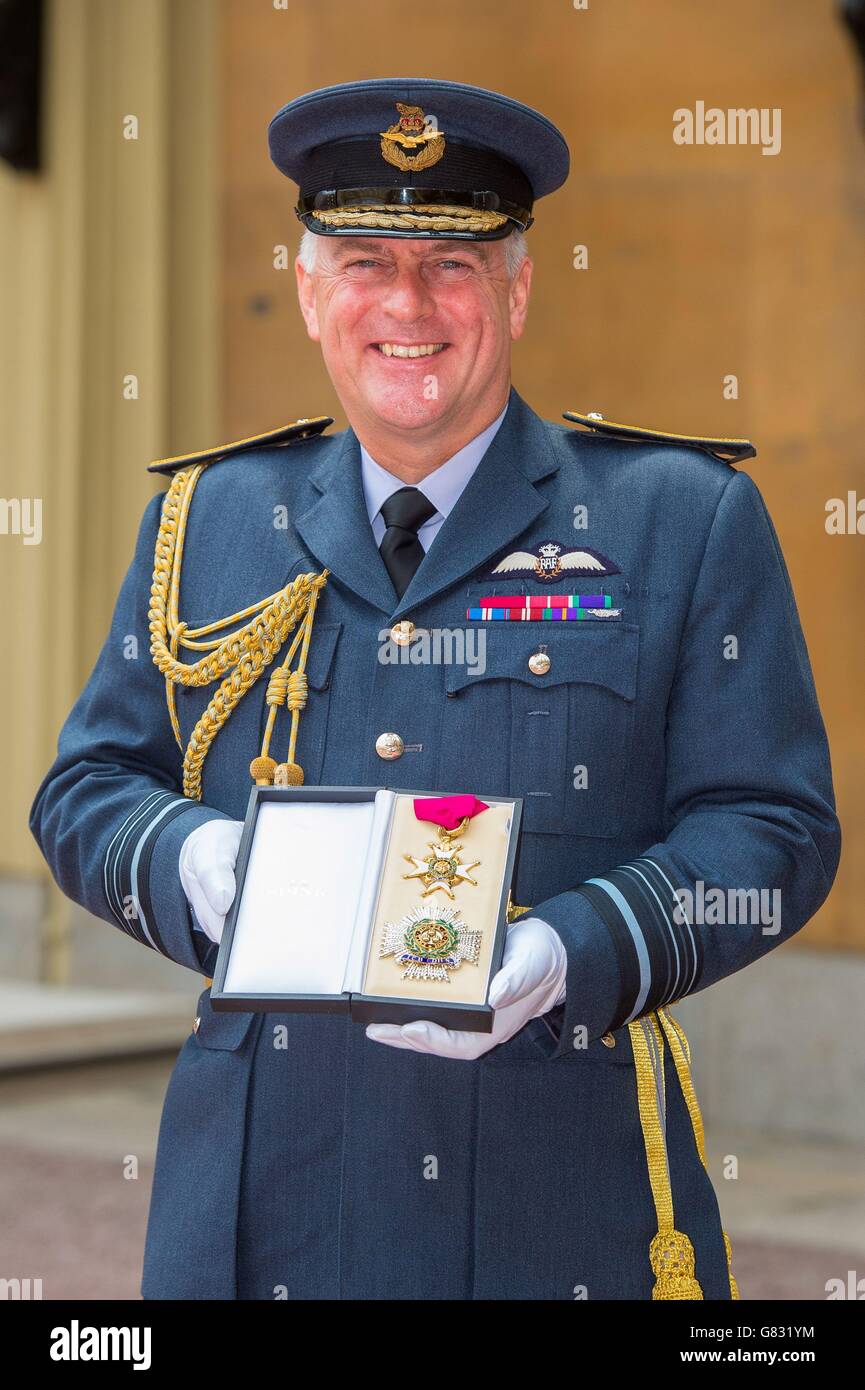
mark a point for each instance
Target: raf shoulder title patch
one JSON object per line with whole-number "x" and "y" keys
{"x": 727, "y": 450}
{"x": 294, "y": 433}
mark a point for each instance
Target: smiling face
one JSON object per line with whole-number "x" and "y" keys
{"x": 415, "y": 333}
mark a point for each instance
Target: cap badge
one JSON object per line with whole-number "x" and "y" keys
{"x": 410, "y": 144}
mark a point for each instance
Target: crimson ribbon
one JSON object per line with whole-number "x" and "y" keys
{"x": 447, "y": 811}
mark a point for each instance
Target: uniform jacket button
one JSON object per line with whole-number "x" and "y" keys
{"x": 402, "y": 632}
{"x": 196, "y": 1023}
{"x": 608, "y": 1040}
{"x": 539, "y": 663}
{"x": 389, "y": 746}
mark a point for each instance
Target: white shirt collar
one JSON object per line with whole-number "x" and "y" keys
{"x": 443, "y": 486}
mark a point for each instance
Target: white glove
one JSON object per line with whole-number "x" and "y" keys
{"x": 207, "y": 859}
{"x": 530, "y": 982}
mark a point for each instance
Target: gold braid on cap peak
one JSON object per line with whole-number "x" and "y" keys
{"x": 239, "y": 656}
{"x": 434, "y": 217}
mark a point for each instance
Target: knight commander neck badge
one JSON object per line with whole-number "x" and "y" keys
{"x": 411, "y": 143}
{"x": 442, "y": 869}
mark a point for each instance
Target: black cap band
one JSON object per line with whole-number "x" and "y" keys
{"x": 358, "y": 164}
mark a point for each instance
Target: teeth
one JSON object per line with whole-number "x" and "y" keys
{"x": 416, "y": 349}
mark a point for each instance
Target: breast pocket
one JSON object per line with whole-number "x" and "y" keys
{"x": 557, "y": 731}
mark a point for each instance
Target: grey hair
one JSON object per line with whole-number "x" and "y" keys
{"x": 516, "y": 250}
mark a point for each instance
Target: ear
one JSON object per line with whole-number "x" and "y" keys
{"x": 306, "y": 299}
{"x": 519, "y": 298}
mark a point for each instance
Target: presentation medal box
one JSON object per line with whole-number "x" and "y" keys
{"x": 388, "y": 905}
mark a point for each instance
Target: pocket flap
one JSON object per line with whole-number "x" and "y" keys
{"x": 218, "y": 1028}
{"x": 322, "y": 646}
{"x": 587, "y": 652}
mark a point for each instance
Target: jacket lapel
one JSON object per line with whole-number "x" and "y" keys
{"x": 499, "y": 502}
{"x": 337, "y": 529}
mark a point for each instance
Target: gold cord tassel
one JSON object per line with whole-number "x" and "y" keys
{"x": 681, "y": 1052}
{"x": 671, "y": 1256}
{"x": 239, "y": 657}
{"x": 671, "y": 1253}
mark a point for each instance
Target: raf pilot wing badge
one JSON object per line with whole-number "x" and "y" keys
{"x": 550, "y": 560}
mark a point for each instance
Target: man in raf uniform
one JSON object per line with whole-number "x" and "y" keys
{"x": 608, "y": 568}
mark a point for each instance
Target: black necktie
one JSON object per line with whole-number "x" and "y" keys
{"x": 404, "y": 512}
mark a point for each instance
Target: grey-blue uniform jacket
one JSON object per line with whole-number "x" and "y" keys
{"x": 339, "y": 1168}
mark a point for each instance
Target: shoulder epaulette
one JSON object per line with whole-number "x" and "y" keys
{"x": 285, "y": 435}
{"x": 727, "y": 450}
